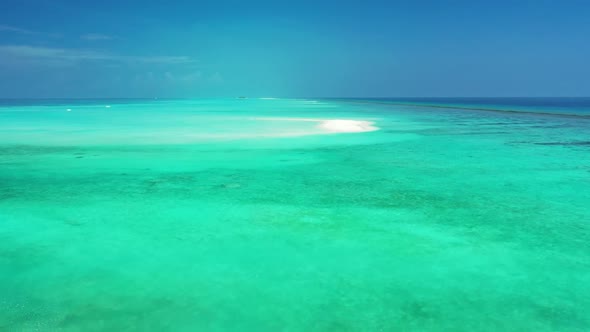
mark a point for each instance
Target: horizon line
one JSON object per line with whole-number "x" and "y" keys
{"x": 258, "y": 97}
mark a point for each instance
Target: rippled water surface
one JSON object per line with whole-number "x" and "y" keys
{"x": 203, "y": 215}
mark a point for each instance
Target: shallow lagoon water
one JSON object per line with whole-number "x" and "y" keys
{"x": 193, "y": 215}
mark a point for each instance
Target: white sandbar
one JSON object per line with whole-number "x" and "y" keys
{"x": 347, "y": 126}
{"x": 333, "y": 125}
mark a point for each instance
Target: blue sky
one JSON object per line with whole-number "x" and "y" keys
{"x": 67, "y": 48}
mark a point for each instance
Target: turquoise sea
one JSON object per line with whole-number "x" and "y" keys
{"x": 269, "y": 215}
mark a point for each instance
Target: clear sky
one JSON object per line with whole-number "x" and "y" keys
{"x": 132, "y": 48}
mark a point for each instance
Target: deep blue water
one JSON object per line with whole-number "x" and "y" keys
{"x": 554, "y": 105}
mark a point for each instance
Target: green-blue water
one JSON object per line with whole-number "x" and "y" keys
{"x": 219, "y": 215}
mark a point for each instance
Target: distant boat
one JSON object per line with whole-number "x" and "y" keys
{"x": 242, "y": 97}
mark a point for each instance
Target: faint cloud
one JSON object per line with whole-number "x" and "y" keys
{"x": 13, "y": 29}
{"x": 8, "y": 28}
{"x": 192, "y": 77}
{"x": 96, "y": 37}
{"x": 217, "y": 78}
{"x": 63, "y": 56}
